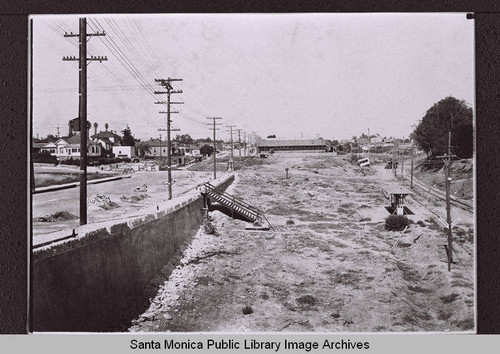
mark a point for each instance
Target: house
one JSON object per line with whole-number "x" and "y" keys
{"x": 107, "y": 140}
{"x": 49, "y": 147}
{"x": 108, "y": 135}
{"x": 191, "y": 150}
{"x": 159, "y": 149}
{"x": 69, "y": 147}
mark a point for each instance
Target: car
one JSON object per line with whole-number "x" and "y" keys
{"x": 136, "y": 160}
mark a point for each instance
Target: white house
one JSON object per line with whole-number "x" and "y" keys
{"x": 124, "y": 151}
{"x": 191, "y": 150}
{"x": 66, "y": 148}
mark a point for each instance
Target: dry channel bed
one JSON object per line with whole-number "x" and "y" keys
{"x": 323, "y": 268}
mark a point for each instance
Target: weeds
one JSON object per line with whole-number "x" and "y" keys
{"x": 449, "y": 298}
{"x": 396, "y": 222}
{"x": 209, "y": 227}
{"x": 247, "y": 310}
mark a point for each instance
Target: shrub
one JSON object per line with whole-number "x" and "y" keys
{"x": 44, "y": 156}
{"x": 247, "y": 310}
{"x": 396, "y": 222}
{"x": 290, "y": 222}
{"x": 209, "y": 227}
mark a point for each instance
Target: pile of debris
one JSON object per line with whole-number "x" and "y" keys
{"x": 102, "y": 201}
{"x": 143, "y": 188}
{"x": 134, "y": 198}
{"x": 59, "y": 216}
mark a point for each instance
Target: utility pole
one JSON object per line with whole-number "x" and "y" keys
{"x": 447, "y": 171}
{"x": 161, "y": 159}
{"x": 402, "y": 158}
{"x": 369, "y": 144}
{"x": 166, "y": 83}
{"x": 215, "y": 147}
{"x": 245, "y": 144}
{"x": 448, "y": 207}
{"x": 239, "y": 143}
{"x": 82, "y": 60}
{"x": 411, "y": 178}
{"x": 394, "y": 157}
{"x": 232, "y": 146}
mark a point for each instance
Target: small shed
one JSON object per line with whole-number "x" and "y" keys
{"x": 396, "y": 197}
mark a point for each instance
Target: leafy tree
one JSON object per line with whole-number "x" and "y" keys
{"x": 127, "y": 139}
{"x": 335, "y": 143}
{"x": 206, "y": 150}
{"x": 184, "y": 139}
{"x": 143, "y": 148}
{"x": 206, "y": 140}
{"x": 431, "y": 133}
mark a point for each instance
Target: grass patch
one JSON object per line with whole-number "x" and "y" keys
{"x": 447, "y": 299}
{"x": 419, "y": 289}
{"x": 464, "y": 324}
{"x": 307, "y": 301}
{"x": 444, "y": 315}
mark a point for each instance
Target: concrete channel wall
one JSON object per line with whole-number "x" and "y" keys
{"x": 88, "y": 282}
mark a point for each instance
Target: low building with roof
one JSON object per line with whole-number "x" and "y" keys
{"x": 293, "y": 145}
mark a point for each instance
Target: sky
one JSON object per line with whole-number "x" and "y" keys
{"x": 292, "y": 75}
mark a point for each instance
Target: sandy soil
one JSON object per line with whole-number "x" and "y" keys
{"x": 126, "y": 198}
{"x": 325, "y": 267}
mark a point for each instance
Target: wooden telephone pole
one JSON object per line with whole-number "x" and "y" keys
{"x": 232, "y": 146}
{"x": 166, "y": 83}
{"x": 394, "y": 157}
{"x": 239, "y": 143}
{"x": 215, "y": 146}
{"x": 82, "y": 60}
{"x": 411, "y": 178}
{"x": 447, "y": 173}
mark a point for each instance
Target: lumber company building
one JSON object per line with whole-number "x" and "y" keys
{"x": 293, "y": 145}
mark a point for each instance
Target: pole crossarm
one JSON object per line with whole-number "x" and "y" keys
{"x": 163, "y": 112}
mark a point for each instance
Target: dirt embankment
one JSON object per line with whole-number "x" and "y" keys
{"x": 433, "y": 174}
{"x": 324, "y": 267}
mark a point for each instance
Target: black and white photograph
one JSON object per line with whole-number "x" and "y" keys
{"x": 252, "y": 173}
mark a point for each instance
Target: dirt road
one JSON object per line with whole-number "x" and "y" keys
{"x": 323, "y": 268}
{"x": 127, "y": 201}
